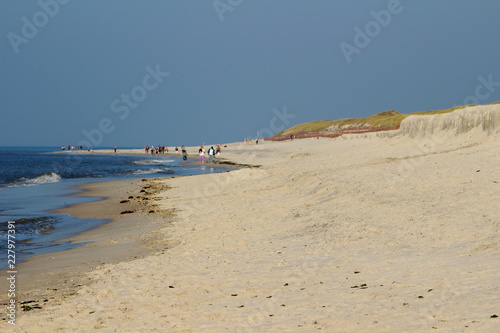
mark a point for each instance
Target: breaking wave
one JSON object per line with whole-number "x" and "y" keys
{"x": 46, "y": 178}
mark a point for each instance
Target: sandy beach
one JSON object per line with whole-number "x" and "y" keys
{"x": 393, "y": 231}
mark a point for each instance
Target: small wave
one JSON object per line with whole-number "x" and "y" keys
{"x": 147, "y": 162}
{"x": 46, "y": 178}
{"x": 152, "y": 171}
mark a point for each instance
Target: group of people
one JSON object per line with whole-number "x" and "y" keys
{"x": 70, "y": 147}
{"x": 161, "y": 149}
{"x": 211, "y": 153}
{"x": 156, "y": 150}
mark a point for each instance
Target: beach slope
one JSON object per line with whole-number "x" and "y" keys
{"x": 383, "y": 232}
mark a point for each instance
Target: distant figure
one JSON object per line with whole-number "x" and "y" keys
{"x": 176, "y": 150}
{"x": 217, "y": 152}
{"x": 201, "y": 151}
{"x": 115, "y": 149}
{"x": 184, "y": 154}
{"x": 256, "y": 141}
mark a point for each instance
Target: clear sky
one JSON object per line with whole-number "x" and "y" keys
{"x": 135, "y": 73}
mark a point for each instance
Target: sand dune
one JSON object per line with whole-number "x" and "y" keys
{"x": 484, "y": 118}
{"x": 382, "y": 232}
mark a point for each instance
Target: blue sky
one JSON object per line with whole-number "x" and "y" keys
{"x": 134, "y": 73}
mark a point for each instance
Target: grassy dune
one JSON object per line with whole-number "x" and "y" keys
{"x": 383, "y": 119}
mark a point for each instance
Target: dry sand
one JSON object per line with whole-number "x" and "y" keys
{"x": 387, "y": 232}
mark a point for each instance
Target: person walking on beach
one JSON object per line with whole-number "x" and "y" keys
{"x": 201, "y": 151}
{"x": 184, "y": 154}
{"x": 211, "y": 154}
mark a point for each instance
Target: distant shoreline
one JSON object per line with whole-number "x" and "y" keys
{"x": 218, "y": 162}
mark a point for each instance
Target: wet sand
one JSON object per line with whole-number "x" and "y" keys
{"x": 54, "y": 276}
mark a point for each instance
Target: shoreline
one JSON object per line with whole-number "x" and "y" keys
{"x": 380, "y": 233}
{"x": 56, "y": 275}
{"x": 59, "y": 274}
{"x": 218, "y": 162}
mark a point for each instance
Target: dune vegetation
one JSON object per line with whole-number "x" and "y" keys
{"x": 386, "y": 119}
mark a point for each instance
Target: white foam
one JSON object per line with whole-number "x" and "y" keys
{"x": 47, "y": 178}
{"x": 153, "y": 162}
{"x": 150, "y": 171}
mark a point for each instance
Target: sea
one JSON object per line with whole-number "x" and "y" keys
{"x": 34, "y": 181}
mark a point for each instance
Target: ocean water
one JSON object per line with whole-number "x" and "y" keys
{"x": 34, "y": 181}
